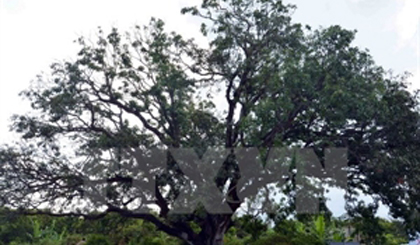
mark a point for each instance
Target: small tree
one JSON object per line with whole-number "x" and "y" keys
{"x": 283, "y": 86}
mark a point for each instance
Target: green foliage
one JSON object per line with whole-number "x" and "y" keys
{"x": 252, "y": 225}
{"x": 98, "y": 239}
{"x": 14, "y": 228}
{"x": 274, "y": 238}
{"x": 246, "y": 230}
{"x": 375, "y": 230}
{"x": 73, "y": 239}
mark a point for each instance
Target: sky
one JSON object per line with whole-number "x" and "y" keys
{"x": 34, "y": 34}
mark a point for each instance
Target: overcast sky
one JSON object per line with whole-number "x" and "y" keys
{"x": 35, "y": 33}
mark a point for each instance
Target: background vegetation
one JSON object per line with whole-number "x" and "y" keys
{"x": 113, "y": 229}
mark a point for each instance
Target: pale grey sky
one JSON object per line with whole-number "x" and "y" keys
{"x": 35, "y": 33}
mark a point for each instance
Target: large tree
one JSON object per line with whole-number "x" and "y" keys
{"x": 90, "y": 145}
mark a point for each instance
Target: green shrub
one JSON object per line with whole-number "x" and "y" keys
{"x": 72, "y": 239}
{"x": 98, "y": 239}
{"x": 272, "y": 238}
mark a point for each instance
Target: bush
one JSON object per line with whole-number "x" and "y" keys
{"x": 271, "y": 237}
{"x": 72, "y": 239}
{"x": 98, "y": 239}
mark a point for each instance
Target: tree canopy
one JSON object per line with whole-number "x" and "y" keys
{"x": 88, "y": 146}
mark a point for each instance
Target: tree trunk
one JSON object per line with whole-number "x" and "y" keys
{"x": 211, "y": 237}
{"x": 213, "y": 231}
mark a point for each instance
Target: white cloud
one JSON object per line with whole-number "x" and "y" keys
{"x": 407, "y": 22}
